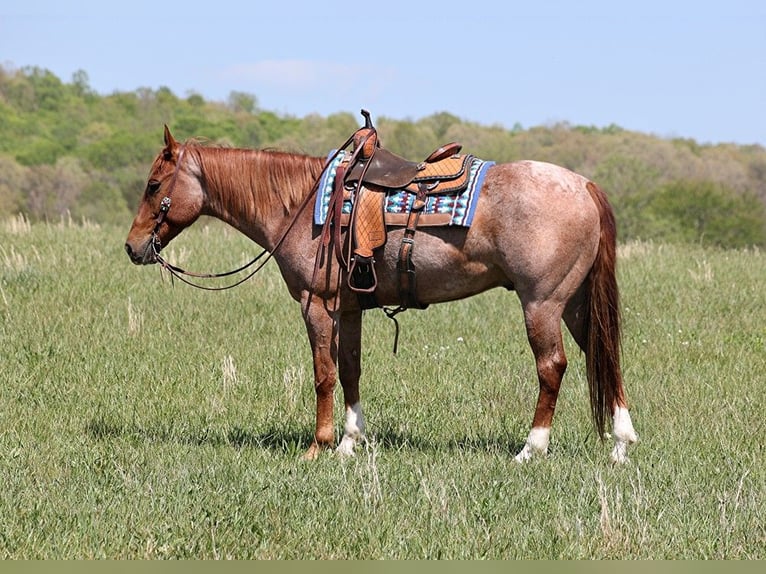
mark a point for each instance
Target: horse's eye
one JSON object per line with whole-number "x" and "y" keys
{"x": 152, "y": 187}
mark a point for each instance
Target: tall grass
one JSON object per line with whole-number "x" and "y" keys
{"x": 143, "y": 419}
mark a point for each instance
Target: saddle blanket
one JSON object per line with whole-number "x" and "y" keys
{"x": 452, "y": 209}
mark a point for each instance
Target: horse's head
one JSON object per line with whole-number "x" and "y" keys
{"x": 172, "y": 201}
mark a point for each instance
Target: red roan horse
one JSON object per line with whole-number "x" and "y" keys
{"x": 538, "y": 229}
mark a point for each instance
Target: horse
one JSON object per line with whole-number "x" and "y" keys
{"x": 540, "y": 230}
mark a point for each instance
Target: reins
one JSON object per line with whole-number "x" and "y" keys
{"x": 178, "y": 273}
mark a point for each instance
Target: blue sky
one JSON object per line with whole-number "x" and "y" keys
{"x": 694, "y": 69}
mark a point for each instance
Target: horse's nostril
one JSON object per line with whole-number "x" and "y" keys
{"x": 129, "y": 250}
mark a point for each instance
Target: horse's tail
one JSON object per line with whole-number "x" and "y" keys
{"x": 602, "y": 319}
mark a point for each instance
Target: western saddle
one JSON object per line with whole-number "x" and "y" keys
{"x": 368, "y": 174}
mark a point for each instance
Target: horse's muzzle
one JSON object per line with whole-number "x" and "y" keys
{"x": 144, "y": 256}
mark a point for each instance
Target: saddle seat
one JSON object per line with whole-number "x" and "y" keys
{"x": 388, "y": 170}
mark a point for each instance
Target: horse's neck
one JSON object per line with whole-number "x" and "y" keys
{"x": 256, "y": 191}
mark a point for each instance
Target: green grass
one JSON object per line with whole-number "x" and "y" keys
{"x": 144, "y": 420}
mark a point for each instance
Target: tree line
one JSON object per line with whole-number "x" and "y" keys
{"x": 66, "y": 150}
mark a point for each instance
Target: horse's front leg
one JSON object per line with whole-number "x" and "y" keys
{"x": 322, "y": 329}
{"x": 349, "y": 365}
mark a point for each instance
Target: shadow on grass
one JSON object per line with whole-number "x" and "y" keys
{"x": 290, "y": 440}
{"x": 276, "y": 439}
{"x": 392, "y": 439}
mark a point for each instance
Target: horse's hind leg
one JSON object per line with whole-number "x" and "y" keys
{"x": 349, "y": 367}
{"x": 543, "y": 323}
{"x": 622, "y": 426}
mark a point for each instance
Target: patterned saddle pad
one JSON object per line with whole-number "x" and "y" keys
{"x": 443, "y": 209}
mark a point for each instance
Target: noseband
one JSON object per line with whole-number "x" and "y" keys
{"x": 165, "y": 206}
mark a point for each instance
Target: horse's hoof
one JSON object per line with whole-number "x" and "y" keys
{"x": 527, "y": 454}
{"x": 522, "y": 457}
{"x": 619, "y": 453}
{"x": 346, "y": 448}
{"x": 313, "y": 452}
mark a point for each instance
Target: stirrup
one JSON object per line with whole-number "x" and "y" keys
{"x": 362, "y": 277}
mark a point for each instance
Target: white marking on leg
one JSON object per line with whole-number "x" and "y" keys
{"x": 624, "y": 434}
{"x": 353, "y": 430}
{"x": 537, "y": 444}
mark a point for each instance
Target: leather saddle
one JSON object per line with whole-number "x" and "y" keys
{"x": 369, "y": 173}
{"x": 388, "y": 170}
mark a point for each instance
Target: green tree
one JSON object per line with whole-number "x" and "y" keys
{"x": 48, "y": 90}
{"x": 441, "y": 123}
{"x": 51, "y": 191}
{"x": 120, "y": 149}
{"x": 103, "y": 201}
{"x": 81, "y": 84}
{"x": 242, "y": 102}
{"x": 707, "y": 213}
{"x": 630, "y": 185}
{"x": 412, "y": 141}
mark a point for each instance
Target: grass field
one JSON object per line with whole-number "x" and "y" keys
{"x": 144, "y": 420}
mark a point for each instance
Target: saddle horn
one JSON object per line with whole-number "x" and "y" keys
{"x": 366, "y": 138}
{"x": 367, "y": 119}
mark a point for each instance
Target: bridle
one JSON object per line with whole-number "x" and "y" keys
{"x": 182, "y": 274}
{"x": 155, "y": 244}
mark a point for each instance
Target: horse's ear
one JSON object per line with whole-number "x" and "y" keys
{"x": 170, "y": 144}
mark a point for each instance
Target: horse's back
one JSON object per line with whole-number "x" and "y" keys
{"x": 534, "y": 186}
{"x": 537, "y": 195}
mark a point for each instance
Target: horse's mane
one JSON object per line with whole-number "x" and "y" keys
{"x": 259, "y": 180}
